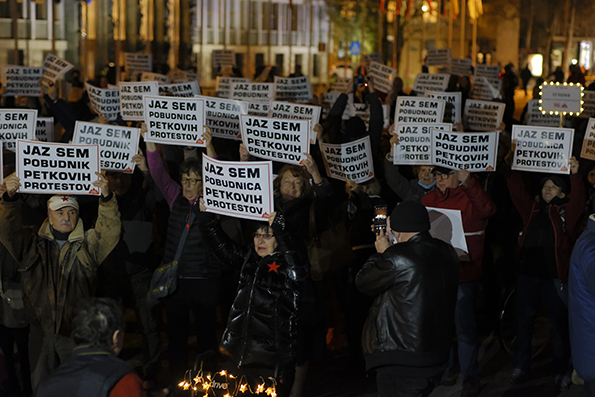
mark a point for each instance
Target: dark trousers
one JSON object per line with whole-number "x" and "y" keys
{"x": 530, "y": 292}
{"x": 392, "y": 384}
{"x": 199, "y": 296}
{"x": 589, "y": 390}
{"x": 9, "y": 337}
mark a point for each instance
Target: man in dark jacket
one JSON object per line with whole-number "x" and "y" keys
{"x": 408, "y": 333}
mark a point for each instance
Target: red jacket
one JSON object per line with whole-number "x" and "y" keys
{"x": 573, "y": 208}
{"x": 476, "y": 208}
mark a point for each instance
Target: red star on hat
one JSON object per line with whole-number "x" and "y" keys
{"x": 273, "y": 267}
{"x": 65, "y": 198}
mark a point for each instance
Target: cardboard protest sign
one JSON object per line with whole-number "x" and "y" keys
{"x": 588, "y": 150}
{"x": 44, "y": 129}
{"x": 275, "y": 139}
{"x": 56, "y": 168}
{"x": 293, "y": 89}
{"x": 53, "y": 68}
{"x": 491, "y": 73}
{"x": 223, "y": 85}
{"x": 150, "y": 76}
{"x": 542, "y": 149}
{"x": 16, "y": 124}
{"x": 536, "y": 117}
{"x": 186, "y": 90}
{"x": 461, "y": 66}
{"x": 239, "y": 189}
{"x": 588, "y": 105}
{"x": 104, "y": 101}
{"x": 485, "y": 90}
{"x": 419, "y": 110}
{"x": 138, "y": 61}
{"x": 452, "y": 105}
{"x": 447, "y": 225}
{"x": 117, "y": 144}
{"x": 483, "y": 115}
{"x": 258, "y": 109}
{"x": 257, "y": 92}
{"x": 222, "y": 116}
{"x": 351, "y": 160}
{"x": 431, "y": 82}
{"x": 177, "y": 121}
{"x": 223, "y": 58}
{"x": 21, "y": 80}
{"x": 382, "y": 76}
{"x": 438, "y": 57}
{"x": 415, "y": 142}
{"x": 292, "y": 111}
{"x": 561, "y": 98}
{"x": 131, "y": 98}
{"x": 473, "y": 151}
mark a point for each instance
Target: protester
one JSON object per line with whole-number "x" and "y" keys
{"x": 409, "y": 331}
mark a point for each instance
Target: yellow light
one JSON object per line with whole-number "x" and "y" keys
{"x": 557, "y": 83}
{"x": 540, "y": 101}
{"x": 424, "y": 8}
{"x": 209, "y": 377}
{"x": 551, "y": 112}
{"x": 540, "y": 93}
{"x": 582, "y": 109}
{"x": 223, "y": 373}
{"x": 243, "y": 388}
{"x": 556, "y": 113}
{"x": 260, "y": 388}
{"x": 565, "y": 83}
{"x": 571, "y": 113}
{"x": 227, "y": 395}
{"x": 181, "y": 384}
{"x": 194, "y": 388}
{"x": 541, "y": 87}
{"x": 231, "y": 376}
{"x": 206, "y": 386}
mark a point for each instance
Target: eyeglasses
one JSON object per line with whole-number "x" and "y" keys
{"x": 439, "y": 175}
{"x": 266, "y": 236}
{"x": 190, "y": 181}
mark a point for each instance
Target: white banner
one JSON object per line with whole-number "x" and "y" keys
{"x": 473, "y": 151}
{"x": 53, "y": 68}
{"x": 54, "y": 168}
{"x": 561, "y": 98}
{"x": 185, "y": 90}
{"x": 131, "y": 98}
{"x": 415, "y": 142}
{"x": 293, "y": 89}
{"x": 483, "y": 115}
{"x": 222, "y": 116}
{"x": 542, "y": 149}
{"x": 106, "y": 102}
{"x": 117, "y": 144}
{"x": 256, "y": 92}
{"x": 175, "y": 121}
{"x": 137, "y": 61}
{"x": 223, "y": 85}
{"x": 431, "y": 82}
{"x": 258, "y": 108}
{"x": 283, "y": 110}
{"x": 21, "y": 80}
{"x": 382, "y": 76}
{"x": 461, "y": 66}
{"x": 588, "y": 105}
{"x": 223, "y": 58}
{"x": 588, "y": 150}
{"x": 452, "y": 105}
{"x": 438, "y": 57}
{"x": 485, "y": 90}
{"x": 239, "y": 189}
{"x": 44, "y": 129}
{"x": 150, "y": 76}
{"x": 16, "y": 124}
{"x": 419, "y": 110}
{"x": 351, "y": 160}
{"x": 535, "y": 117}
{"x": 275, "y": 139}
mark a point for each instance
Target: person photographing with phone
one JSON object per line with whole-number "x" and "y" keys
{"x": 409, "y": 330}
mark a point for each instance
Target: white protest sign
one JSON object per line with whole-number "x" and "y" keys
{"x": 186, "y": 90}
{"x": 415, "y": 142}
{"x": 330, "y": 97}
{"x": 562, "y": 98}
{"x": 44, "y": 129}
{"x": 150, "y": 76}
{"x": 447, "y": 225}
{"x": 21, "y": 80}
{"x": 104, "y": 101}
{"x": 293, "y": 89}
{"x": 536, "y": 117}
{"x": 419, "y": 110}
{"x": 588, "y": 105}
{"x": 461, "y": 66}
{"x": 258, "y": 108}
{"x": 222, "y": 116}
{"x": 542, "y": 149}
{"x": 491, "y": 73}
{"x": 54, "y": 168}
{"x": 369, "y": 58}
{"x": 351, "y": 160}
{"x": 275, "y": 139}
{"x": 484, "y": 90}
{"x": 483, "y": 115}
{"x": 473, "y": 151}
{"x": 452, "y": 105}
{"x": 341, "y": 84}
{"x": 382, "y": 75}
{"x": 53, "y": 68}
{"x": 177, "y": 121}
{"x": 16, "y": 124}
{"x": 257, "y": 92}
{"x": 177, "y": 74}
{"x": 438, "y": 57}
{"x": 239, "y": 189}
{"x": 431, "y": 82}
{"x": 292, "y": 111}
{"x": 223, "y": 58}
{"x": 223, "y": 85}
{"x": 137, "y": 61}
{"x": 117, "y": 144}
{"x": 1, "y": 166}
{"x": 588, "y": 150}
{"x": 131, "y": 98}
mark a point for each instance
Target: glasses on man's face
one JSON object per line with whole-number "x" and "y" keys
{"x": 190, "y": 181}
{"x": 266, "y": 236}
{"x": 439, "y": 175}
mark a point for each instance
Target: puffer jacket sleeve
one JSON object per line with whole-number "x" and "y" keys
{"x": 104, "y": 237}
{"x": 13, "y": 236}
{"x": 293, "y": 249}
{"x": 377, "y": 275}
{"x": 224, "y": 248}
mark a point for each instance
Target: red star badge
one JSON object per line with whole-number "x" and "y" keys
{"x": 64, "y": 198}
{"x": 273, "y": 267}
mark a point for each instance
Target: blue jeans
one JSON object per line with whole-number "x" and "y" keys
{"x": 466, "y": 330}
{"x": 530, "y": 292}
